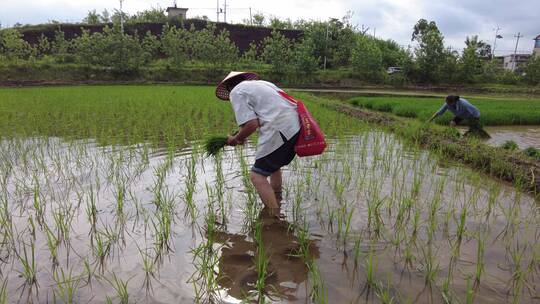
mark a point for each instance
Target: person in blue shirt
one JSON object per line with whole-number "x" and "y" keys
{"x": 464, "y": 114}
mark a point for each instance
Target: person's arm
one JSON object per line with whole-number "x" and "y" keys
{"x": 245, "y": 131}
{"x": 438, "y": 113}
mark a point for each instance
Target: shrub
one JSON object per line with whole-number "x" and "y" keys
{"x": 532, "y": 152}
{"x": 510, "y": 145}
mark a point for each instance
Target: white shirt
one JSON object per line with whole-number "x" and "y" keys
{"x": 258, "y": 99}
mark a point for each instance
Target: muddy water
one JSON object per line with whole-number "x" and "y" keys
{"x": 524, "y": 136}
{"x": 368, "y": 203}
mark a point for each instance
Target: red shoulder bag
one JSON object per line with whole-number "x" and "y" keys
{"x": 311, "y": 140}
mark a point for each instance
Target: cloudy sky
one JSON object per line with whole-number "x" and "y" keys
{"x": 389, "y": 19}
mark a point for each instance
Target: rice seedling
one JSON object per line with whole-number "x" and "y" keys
{"x": 261, "y": 264}
{"x": 318, "y": 291}
{"x": 120, "y": 287}
{"x": 3, "y": 292}
{"x": 66, "y": 286}
{"x": 28, "y": 263}
{"x": 213, "y": 145}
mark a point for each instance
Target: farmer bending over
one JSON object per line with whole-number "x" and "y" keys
{"x": 257, "y": 104}
{"x": 464, "y": 113}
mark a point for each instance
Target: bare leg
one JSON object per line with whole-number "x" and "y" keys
{"x": 275, "y": 182}
{"x": 265, "y": 190}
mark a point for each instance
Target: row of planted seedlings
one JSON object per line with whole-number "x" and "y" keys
{"x": 419, "y": 231}
{"x": 73, "y": 211}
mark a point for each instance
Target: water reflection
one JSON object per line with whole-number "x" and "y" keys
{"x": 287, "y": 272}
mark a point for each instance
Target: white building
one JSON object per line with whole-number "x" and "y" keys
{"x": 515, "y": 63}
{"x": 175, "y": 12}
{"x": 537, "y": 46}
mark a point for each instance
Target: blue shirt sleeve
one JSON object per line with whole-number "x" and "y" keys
{"x": 442, "y": 110}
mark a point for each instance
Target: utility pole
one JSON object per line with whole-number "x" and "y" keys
{"x": 121, "y": 18}
{"x": 515, "y": 51}
{"x": 217, "y": 11}
{"x": 495, "y": 41}
{"x": 250, "y": 17}
{"x": 225, "y": 12}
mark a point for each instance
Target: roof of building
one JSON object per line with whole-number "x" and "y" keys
{"x": 175, "y": 8}
{"x": 537, "y": 37}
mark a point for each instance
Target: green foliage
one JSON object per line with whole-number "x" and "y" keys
{"x": 510, "y": 145}
{"x": 367, "y": 58}
{"x": 532, "y": 71}
{"x": 150, "y": 45}
{"x": 123, "y": 53}
{"x": 13, "y": 46}
{"x": 210, "y": 47}
{"x": 174, "y": 42}
{"x": 251, "y": 55}
{"x": 277, "y": 51}
{"x": 92, "y": 18}
{"x": 153, "y": 15}
{"x": 472, "y": 61}
{"x": 303, "y": 60}
{"x": 532, "y": 152}
{"x": 430, "y": 54}
{"x": 61, "y": 48}
{"x": 333, "y": 40}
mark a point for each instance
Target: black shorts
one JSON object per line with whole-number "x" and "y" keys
{"x": 274, "y": 161}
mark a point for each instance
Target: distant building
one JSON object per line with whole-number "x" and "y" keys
{"x": 536, "y": 51}
{"x": 515, "y": 63}
{"x": 175, "y": 12}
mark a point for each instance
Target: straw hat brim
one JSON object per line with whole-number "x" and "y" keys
{"x": 221, "y": 89}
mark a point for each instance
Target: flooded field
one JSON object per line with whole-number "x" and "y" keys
{"x": 370, "y": 221}
{"x": 524, "y": 136}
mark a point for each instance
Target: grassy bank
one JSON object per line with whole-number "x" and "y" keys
{"x": 47, "y": 72}
{"x": 493, "y": 111}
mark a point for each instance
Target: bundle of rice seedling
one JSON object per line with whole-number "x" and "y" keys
{"x": 214, "y": 144}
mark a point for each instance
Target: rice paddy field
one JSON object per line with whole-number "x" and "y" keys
{"x": 106, "y": 195}
{"x": 494, "y": 111}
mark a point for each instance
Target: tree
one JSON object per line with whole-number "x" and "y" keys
{"x": 532, "y": 70}
{"x": 150, "y": 46}
{"x": 367, "y": 58}
{"x": 105, "y": 17}
{"x": 277, "y": 52}
{"x": 13, "y": 46}
{"x": 154, "y": 15}
{"x": 276, "y": 23}
{"x": 483, "y": 49}
{"x": 430, "y": 54}
{"x": 61, "y": 47}
{"x": 258, "y": 20}
{"x": 92, "y": 18}
{"x": 392, "y": 54}
{"x": 43, "y": 46}
{"x": 471, "y": 63}
{"x": 303, "y": 60}
{"x": 333, "y": 40}
{"x": 174, "y": 43}
{"x": 251, "y": 55}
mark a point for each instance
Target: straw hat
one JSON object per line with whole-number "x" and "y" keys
{"x": 221, "y": 89}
